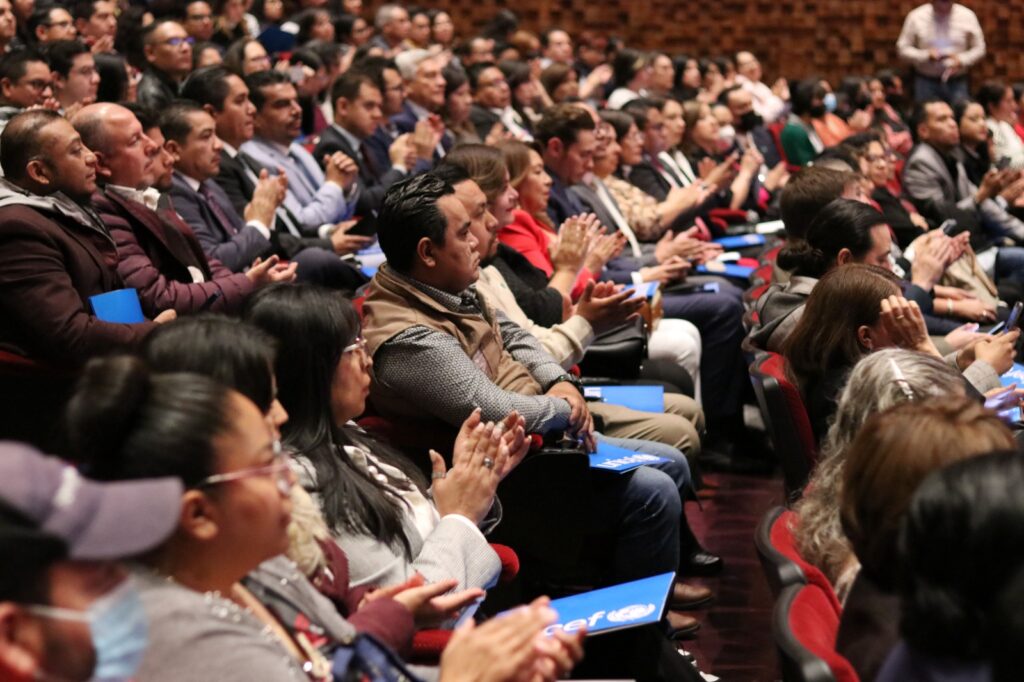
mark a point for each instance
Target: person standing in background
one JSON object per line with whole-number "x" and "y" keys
{"x": 942, "y": 40}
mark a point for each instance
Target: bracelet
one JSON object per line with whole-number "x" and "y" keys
{"x": 949, "y": 306}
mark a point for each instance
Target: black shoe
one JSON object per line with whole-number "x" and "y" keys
{"x": 702, "y": 564}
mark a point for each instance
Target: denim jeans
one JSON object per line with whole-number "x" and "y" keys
{"x": 644, "y": 507}
{"x": 952, "y": 91}
{"x": 1010, "y": 264}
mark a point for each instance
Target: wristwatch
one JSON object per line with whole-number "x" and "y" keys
{"x": 567, "y": 377}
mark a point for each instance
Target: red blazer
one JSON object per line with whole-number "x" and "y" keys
{"x": 51, "y": 265}
{"x": 530, "y": 238}
{"x": 155, "y": 250}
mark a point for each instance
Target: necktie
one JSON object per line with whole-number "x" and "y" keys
{"x": 252, "y": 172}
{"x": 371, "y": 167}
{"x": 620, "y": 220}
{"x": 305, "y": 176}
{"x": 226, "y": 224}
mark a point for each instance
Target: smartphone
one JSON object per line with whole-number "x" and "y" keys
{"x": 948, "y": 226}
{"x": 1003, "y": 162}
{"x": 1013, "y": 321}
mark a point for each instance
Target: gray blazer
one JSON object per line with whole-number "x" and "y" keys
{"x": 452, "y": 549}
{"x": 926, "y": 179}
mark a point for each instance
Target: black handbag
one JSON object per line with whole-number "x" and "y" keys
{"x": 617, "y": 353}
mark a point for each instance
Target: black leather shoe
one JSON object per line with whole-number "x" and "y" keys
{"x": 702, "y": 563}
{"x": 681, "y": 626}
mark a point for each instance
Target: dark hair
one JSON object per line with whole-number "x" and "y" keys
{"x": 563, "y": 121}
{"x": 454, "y": 78}
{"x": 83, "y": 9}
{"x": 806, "y": 193}
{"x": 130, "y": 34}
{"x": 306, "y": 57}
{"x": 200, "y": 47}
{"x": 887, "y": 77}
{"x": 14, "y": 65}
{"x": 482, "y": 163}
{"x": 825, "y": 339}
{"x": 842, "y": 224}
{"x": 234, "y": 56}
{"x": 306, "y": 20}
{"x": 805, "y": 92}
{"x": 147, "y": 117}
{"x": 841, "y": 153}
{"x": 516, "y": 73}
{"x": 618, "y": 120}
{"x": 125, "y": 422}
{"x": 410, "y": 213}
{"x": 343, "y": 25}
{"x": 349, "y": 84}
{"x": 723, "y": 97}
{"x": 26, "y": 581}
{"x": 554, "y": 75}
{"x": 19, "y": 142}
{"x": 948, "y": 598}
{"x": 113, "y": 72}
{"x": 989, "y": 95}
{"x": 60, "y": 55}
{"x": 920, "y": 114}
{"x": 451, "y": 171}
{"x": 638, "y": 109}
{"x": 860, "y": 141}
{"x": 960, "y": 108}
{"x": 174, "y": 119}
{"x": 312, "y": 326}
{"x": 41, "y": 17}
{"x": 374, "y": 67}
{"x": 329, "y": 53}
{"x": 474, "y": 71}
{"x": 232, "y": 352}
{"x": 264, "y": 79}
{"x": 626, "y": 65}
{"x": 208, "y": 85}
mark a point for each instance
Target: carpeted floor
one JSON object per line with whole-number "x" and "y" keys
{"x": 735, "y": 640}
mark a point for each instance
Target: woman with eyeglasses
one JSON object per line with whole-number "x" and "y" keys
{"x": 374, "y": 499}
{"x": 220, "y": 600}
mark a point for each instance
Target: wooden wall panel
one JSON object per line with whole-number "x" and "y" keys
{"x": 795, "y": 38}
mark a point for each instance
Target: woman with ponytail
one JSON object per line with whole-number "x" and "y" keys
{"x": 845, "y": 231}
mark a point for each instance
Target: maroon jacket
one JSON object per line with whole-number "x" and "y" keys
{"x": 50, "y": 264}
{"x": 155, "y": 250}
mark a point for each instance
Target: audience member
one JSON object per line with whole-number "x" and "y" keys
{"x": 424, "y": 87}
{"x": 1000, "y": 106}
{"x": 8, "y": 27}
{"x": 245, "y": 57}
{"x": 25, "y": 81}
{"x": 117, "y": 80}
{"x": 50, "y": 23}
{"x": 96, "y": 23}
{"x": 45, "y": 284}
{"x": 878, "y": 382}
{"x": 167, "y": 50}
{"x": 197, "y": 20}
{"x": 885, "y": 464}
{"x": 941, "y": 39}
{"x": 392, "y": 25}
{"x": 768, "y": 102}
{"x": 75, "y": 79}
{"x": 68, "y": 591}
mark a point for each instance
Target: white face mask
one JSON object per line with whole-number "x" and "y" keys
{"x": 726, "y": 137}
{"x": 117, "y": 623}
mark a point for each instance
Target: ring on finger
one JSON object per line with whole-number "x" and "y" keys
{"x": 488, "y": 462}
{"x": 435, "y": 475}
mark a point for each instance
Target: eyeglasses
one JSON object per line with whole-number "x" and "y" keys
{"x": 178, "y": 41}
{"x": 279, "y": 469}
{"x": 358, "y": 345}
{"x": 58, "y": 24}
{"x": 38, "y": 85}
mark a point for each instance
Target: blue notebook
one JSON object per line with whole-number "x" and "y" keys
{"x": 620, "y": 460}
{"x": 120, "y": 305}
{"x": 643, "y": 398}
{"x": 725, "y": 270}
{"x": 740, "y": 241}
{"x": 614, "y": 608}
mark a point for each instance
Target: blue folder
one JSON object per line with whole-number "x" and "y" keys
{"x": 614, "y": 608}
{"x": 726, "y": 270}
{"x": 740, "y": 241}
{"x": 120, "y": 305}
{"x": 620, "y": 460}
{"x": 643, "y": 398}
{"x": 647, "y": 290}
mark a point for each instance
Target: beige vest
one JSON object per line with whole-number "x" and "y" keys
{"x": 393, "y": 305}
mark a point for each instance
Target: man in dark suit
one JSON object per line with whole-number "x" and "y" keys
{"x": 492, "y": 103}
{"x": 424, "y": 87}
{"x": 567, "y": 139}
{"x": 158, "y": 254}
{"x": 357, "y": 113}
{"x": 225, "y": 97}
{"x": 56, "y": 253}
{"x": 168, "y": 52}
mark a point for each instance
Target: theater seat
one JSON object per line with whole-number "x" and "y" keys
{"x": 779, "y": 569}
{"x": 805, "y": 629}
{"x": 788, "y": 425}
{"x": 777, "y": 526}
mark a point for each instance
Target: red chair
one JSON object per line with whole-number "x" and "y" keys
{"x": 427, "y": 645}
{"x": 771, "y": 255}
{"x": 786, "y": 418}
{"x": 783, "y": 565}
{"x": 752, "y": 294}
{"x": 805, "y": 629}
